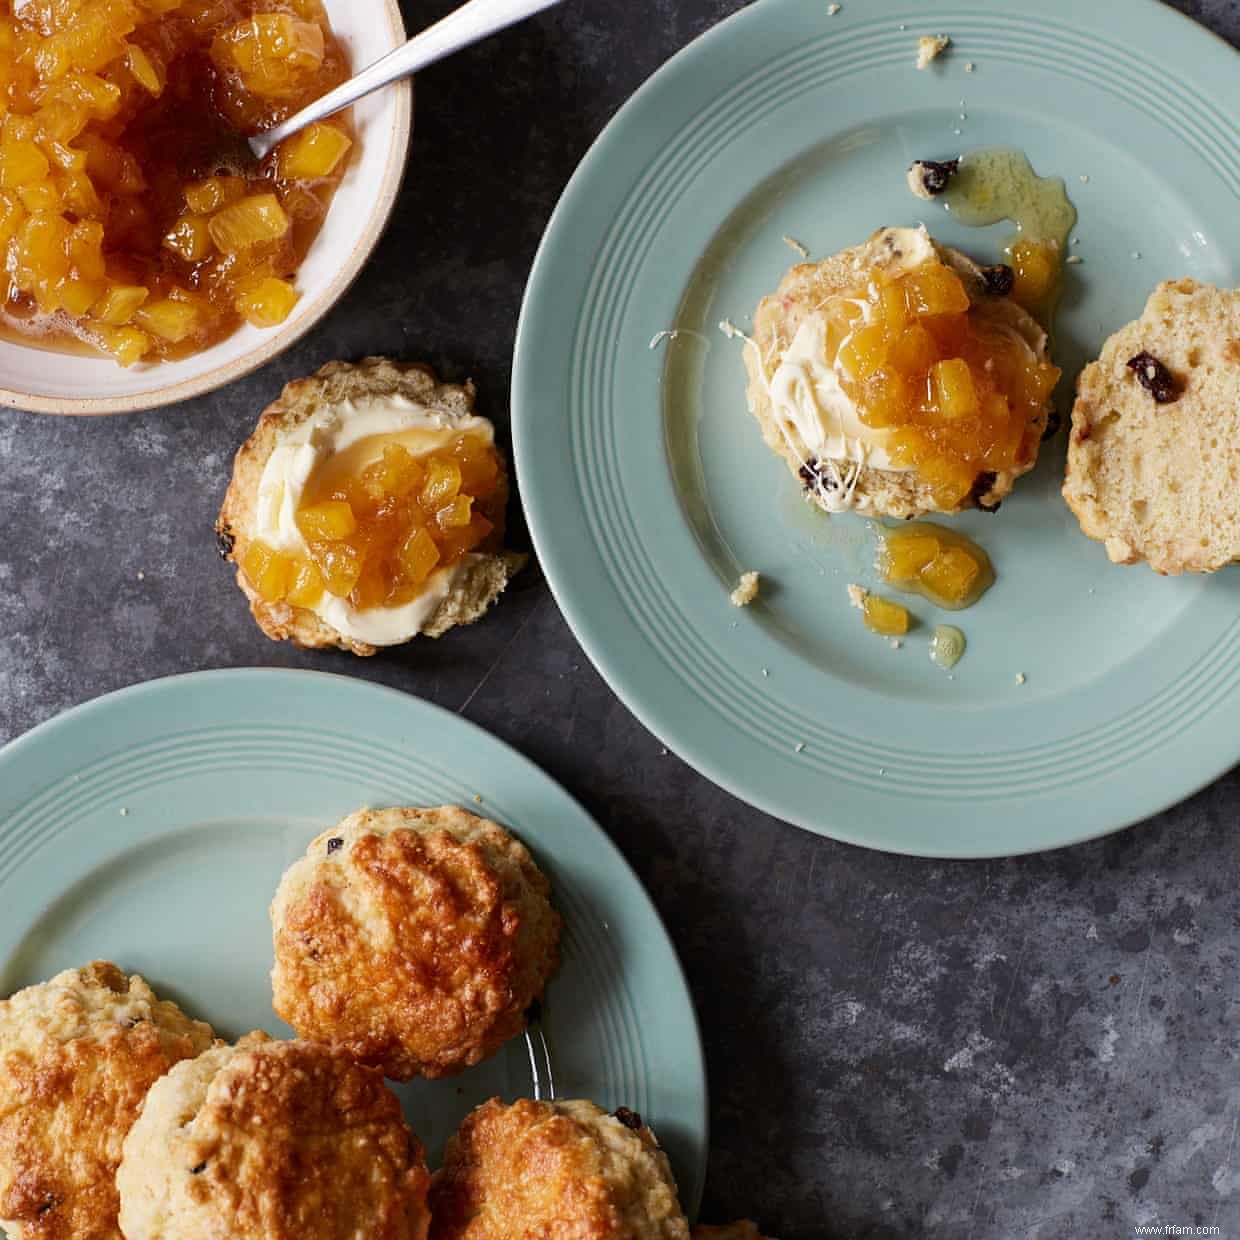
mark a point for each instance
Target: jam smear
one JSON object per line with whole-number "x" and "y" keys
{"x": 943, "y": 566}
{"x": 133, "y": 218}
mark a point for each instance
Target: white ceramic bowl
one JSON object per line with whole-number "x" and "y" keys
{"x": 51, "y": 382}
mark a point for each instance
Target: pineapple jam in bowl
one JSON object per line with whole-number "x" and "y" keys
{"x": 148, "y": 257}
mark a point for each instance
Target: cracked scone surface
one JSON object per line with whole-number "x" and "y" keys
{"x": 836, "y": 485}
{"x": 272, "y": 1140}
{"x": 413, "y": 939}
{"x": 483, "y": 574}
{"x": 1161, "y": 482}
{"x": 554, "y": 1169}
{"x": 77, "y": 1056}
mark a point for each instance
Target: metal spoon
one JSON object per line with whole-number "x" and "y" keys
{"x": 468, "y": 24}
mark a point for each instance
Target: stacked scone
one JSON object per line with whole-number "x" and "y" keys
{"x": 408, "y": 942}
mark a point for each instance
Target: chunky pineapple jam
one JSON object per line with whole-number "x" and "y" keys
{"x": 883, "y": 616}
{"x": 947, "y": 568}
{"x": 375, "y": 535}
{"x": 959, "y": 395}
{"x": 132, "y": 217}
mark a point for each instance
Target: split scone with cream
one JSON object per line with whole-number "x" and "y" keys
{"x": 368, "y": 507}
{"x": 413, "y": 939}
{"x": 270, "y": 1140}
{"x": 1154, "y": 454}
{"x": 899, "y": 378}
{"x": 77, "y": 1056}
{"x": 531, "y": 1170}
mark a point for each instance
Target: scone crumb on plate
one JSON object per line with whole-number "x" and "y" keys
{"x": 1074, "y": 259}
{"x": 796, "y": 245}
{"x": 833, "y": 9}
{"x": 1020, "y": 678}
{"x": 746, "y": 589}
{"x": 969, "y": 66}
{"x": 857, "y": 596}
{"x": 930, "y": 47}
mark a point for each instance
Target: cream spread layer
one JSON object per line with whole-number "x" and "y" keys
{"x": 345, "y": 439}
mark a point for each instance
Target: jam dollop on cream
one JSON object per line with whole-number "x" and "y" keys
{"x": 918, "y": 367}
{"x": 367, "y": 511}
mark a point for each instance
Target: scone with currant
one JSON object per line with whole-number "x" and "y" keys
{"x": 899, "y": 378}
{"x": 1154, "y": 454}
{"x": 368, "y": 507}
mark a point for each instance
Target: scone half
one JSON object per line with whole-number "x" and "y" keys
{"x": 327, "y": 437}
{"x": 798, "y": 391}
{"x": 1154, "y": 455}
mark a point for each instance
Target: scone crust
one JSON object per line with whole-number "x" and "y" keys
{"x": 877, "y": 492}
{"x": 77, "y": 1056}
{"x": 416, "y": 943}
{"x": 539, "y": 1169}
{"x": 271, "y": 1140}
{"x": 485, "y": 572}
{"x": 1161, "y": 483}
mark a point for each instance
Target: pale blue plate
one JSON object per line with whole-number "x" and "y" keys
{"x": 151, "y": 827}
{"x": 648, "y": 489}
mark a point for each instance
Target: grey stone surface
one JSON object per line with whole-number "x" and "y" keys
{"x": 1040, "y": 1047}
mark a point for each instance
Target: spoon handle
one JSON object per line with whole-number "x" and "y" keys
{"x": 470, "y": 23}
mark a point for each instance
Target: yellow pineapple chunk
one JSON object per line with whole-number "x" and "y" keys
{"x": 863, "y": 352}
{"x": 330, "y": 520}
{"x": 77, "y": 296}
{"x": 954, "y": 392}
{"x": 268, "y": 303}
{"x": 21, "y": 162}
{"x": 314, "y": 153}
{"x": 950, "y": 576}
{"x": 270, "y": 572}
{"x": 274, "y": 53}
{"x": 248, "y": 222}
{"x": 885, "y": 617}
{"x": 86, "y": 250}
{"x": 139, "y": 64}
{"x": 117, "y": 306}
{"x": 341, "y": 566}
{"x": 306, "y": 587}
{"x": 418, "y": 556}
{"x": 126, "y": 344}
{"x": 168, "y": 319}
{"x": 189, "y": 238}
{"x": 456, "y": 513}
{"x": 443, "y": 482}
{"x": 203, "y": 197}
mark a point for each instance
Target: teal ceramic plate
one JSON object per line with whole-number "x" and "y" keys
{"x": 151, "y": 827}
{"x": 648, "y": 488}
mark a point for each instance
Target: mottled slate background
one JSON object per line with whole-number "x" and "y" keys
{"x": 1042, "y": 1047}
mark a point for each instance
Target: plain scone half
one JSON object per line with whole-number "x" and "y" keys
{"x": 1155, "y": 480}
{"x": 340, "y": 403}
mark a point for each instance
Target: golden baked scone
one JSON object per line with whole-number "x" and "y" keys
{"x": 272, "y": 1140}
{"x": 317, "y": 420}
{"x": 846, "y": 457}
{"x": 554, "y": 1170}
{"x": 77, "y": 1055}
{"x": 1154, "y": 455}
{"x": 413, "y": 939}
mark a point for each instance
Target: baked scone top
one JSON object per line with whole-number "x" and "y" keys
{"x": 77, "y": 1055}
{"x": 538, "y": 1169}
{"x": 415, "y": 939}
{"x": 272, "y": 1140}
{"x": 1159, "y": 480}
